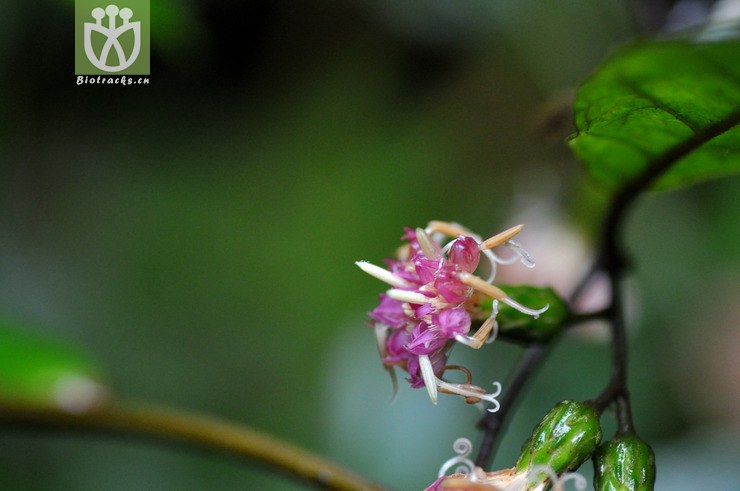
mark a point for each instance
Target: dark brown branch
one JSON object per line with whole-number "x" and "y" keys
{"x": 612, "y": 259}
{"x": 492, "y": 423}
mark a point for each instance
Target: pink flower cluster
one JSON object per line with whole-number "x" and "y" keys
{"x": 425, "y": 328}
{"x": 419, "y": 319}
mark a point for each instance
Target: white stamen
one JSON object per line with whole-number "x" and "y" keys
{"x": 498, "y": 294}
{"x": 462, "y": 448}
{"x": 394, "y": 382}
{"x": 534, "y": 472}
{"x": 494, "y": 333}
{"x": 462, "y": 391}
{"x": 504, "y": 238}
{"x": 482, "y": 286}
{"x": 492, "y": 261}
{"x": 525, "y": 310}
{"x": 501, "y": 238}
{"x": 527, "y": 260}
{"x": 381, "y": 336}
{"x": 427, "y": 247}
{"x": 382, "y": 274}
{"x": 558, "y": 483}
{"x": 505, "y": 261}
{"x": 447, "y": 247}
{"x": 407, "y": 296}
{"x": 487, "y": 332}
{"x": 430, "y": 380}
{"x": 450, "y": 229}
{"x": 467, "y": 340}
{"x": 579, "y": 481}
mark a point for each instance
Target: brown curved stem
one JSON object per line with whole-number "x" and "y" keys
{"x": 492, "y": 424}
{"x": 170, "y": 426}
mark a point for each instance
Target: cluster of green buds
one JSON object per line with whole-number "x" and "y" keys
{"x": 562, "y": 441}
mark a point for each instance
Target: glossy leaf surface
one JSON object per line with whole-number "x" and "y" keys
{"x": 670, "y": 105}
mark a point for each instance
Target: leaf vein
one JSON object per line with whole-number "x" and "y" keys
{"x": 657, "y": 103}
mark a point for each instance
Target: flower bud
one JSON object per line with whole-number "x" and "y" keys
{"x": 562, "y": 441}
{"x": 625, "y": 463}
{"x": 464, "y": 253}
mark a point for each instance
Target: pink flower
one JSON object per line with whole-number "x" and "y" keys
{"x": 389, "y": 312}
{"x": 448, "y": 284}
{"x": 430, "y": 337}
{"x": 416, "y": 377}
{"x": 426, "y": 310}
{"x": 465, "y": 254}
{"x": 452, "y": 322}
{"x": 426, "y": 269}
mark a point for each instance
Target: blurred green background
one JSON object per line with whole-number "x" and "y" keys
{"x": 197, "y": 235}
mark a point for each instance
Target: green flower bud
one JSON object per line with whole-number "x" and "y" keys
{"x": 625, "y": 463}
{"x": 517, "y": 326}
{"x": 562, "y": 441}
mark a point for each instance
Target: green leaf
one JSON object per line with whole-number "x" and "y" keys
{"x": 672, "y": 106}
{"x": 37, "y": 371}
